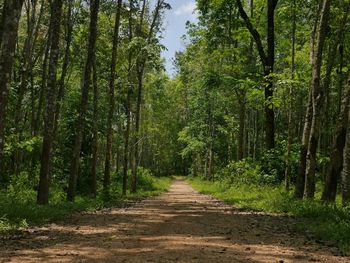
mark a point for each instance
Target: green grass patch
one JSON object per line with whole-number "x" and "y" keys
{"x": 327, "y": 222}
{"x": 19, "y": 210}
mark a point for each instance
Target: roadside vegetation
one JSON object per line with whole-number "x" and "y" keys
{"x": 19, "y": 209}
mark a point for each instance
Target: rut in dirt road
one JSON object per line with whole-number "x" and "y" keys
{"x": 179, "y": 226}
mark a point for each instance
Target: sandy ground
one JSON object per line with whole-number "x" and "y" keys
{"x": 179, "y": 226}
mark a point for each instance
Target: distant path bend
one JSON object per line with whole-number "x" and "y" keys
{"x": 179, "y": 226}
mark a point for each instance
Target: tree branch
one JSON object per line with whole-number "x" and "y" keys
{"x": 255, "y": 34}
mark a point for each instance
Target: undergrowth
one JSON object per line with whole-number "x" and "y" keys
{"x": 19, "y": 210}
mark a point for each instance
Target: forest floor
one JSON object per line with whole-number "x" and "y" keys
{"x": 178, "y": 226}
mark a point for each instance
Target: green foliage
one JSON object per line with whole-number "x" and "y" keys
{"x": 241, "y": 172}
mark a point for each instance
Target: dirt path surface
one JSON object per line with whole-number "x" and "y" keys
{"x": 179, "y": 226}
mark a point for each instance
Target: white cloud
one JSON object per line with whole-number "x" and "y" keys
{"x": 186, "y": 9}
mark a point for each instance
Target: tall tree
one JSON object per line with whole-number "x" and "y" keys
{"x": 128, "y": 102}
{"x": 345, "y": 175}
{"x": 291, "y": 92}
{"x": 268, "y": 60}
{"x": 140, "y": 68}
{"x": 317, "y": 100}
{"x": 10, "y": 20}
{"x": 86, "y": 83}
{"x": 94, "y": 159}
{"x": 43, "y": 190}
{"x": 336, "y": 156}
{"x": 111, "y": 111}
{"x": 66, "y": 60}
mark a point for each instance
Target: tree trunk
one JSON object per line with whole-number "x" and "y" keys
{"x": 345, "y": 175}
{"x": 300, "y": 180}
{"x": 137, "y": 130}
{"x": 66, "y": 60}
{"x": 336, "y": 160}
{"x": 94, "y": 8}
{"x": 290, "y": 110}
{"x": 268, "y": 65}
{"x": 317, "y": 101}
{"x": 106, "y": 180}
{"x": 128, "y": 106}
{"x": 26, "y": 62}
{"x": 126, "y": 142}
{"x": 93, "y": 187}
{"x": 38, "y": 115}
{"x": 241, "y": 135}
{"x": 12, "y": 12}
{"x": 43, "y": 191}
{"x": 140, "y": 72}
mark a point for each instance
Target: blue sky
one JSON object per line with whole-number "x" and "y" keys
{"x": 175, "y": 27}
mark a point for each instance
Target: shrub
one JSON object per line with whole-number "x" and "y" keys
{"x": 246, "y": 172}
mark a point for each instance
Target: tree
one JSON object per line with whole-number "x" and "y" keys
{"x": 111, "y": 111}
{"x": 43, "y": 191}
{"x": 86, "y": 83}
{"x": 317, "y": 100}
{"x": 140, "y": 68}
{"x": 291, "y": 92}
{"x": 128, "y": 101}
{"x": 10, "y": 19}
{"x": 267, "y": 60}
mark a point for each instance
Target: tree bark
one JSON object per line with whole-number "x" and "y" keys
{"x": 66, "y": 60}
{"x": 37, "y": 117}
{"x": 26, "y": 60}
{"x": 93, "y": 186}
{"x": 317, "y": 101}
{"x": 345, "y": 175}
{"x": 113, "y": 75}
{"x": 242, "y": 115}
{"x": 269, "y": 68}
{"x": 43, "y": 191}
{"x": 12, "y": 12}
{"x": 128, "y": 106}
{"x": 336, "y": 159}
{"x": 300, "y": 178}
{"x": 290, "y": 110}
{"x": 137, "y": 130}
{"x": 94, "y": 9}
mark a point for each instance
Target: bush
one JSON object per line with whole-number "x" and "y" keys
{"x": 269, "y": 168}
{"x": 145, "y": 179}
{"x": 246, "y": 172}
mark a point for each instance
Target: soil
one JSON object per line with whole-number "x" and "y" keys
{"x": 178, "y": 226}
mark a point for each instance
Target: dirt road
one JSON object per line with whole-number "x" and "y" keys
{"x": 179, "y": 226}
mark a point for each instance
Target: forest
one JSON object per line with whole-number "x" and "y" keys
{"x": 255, "y": 114}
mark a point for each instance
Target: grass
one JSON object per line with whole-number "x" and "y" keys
{"x": 326, "y": 222}
{"x": 18, "y": 209}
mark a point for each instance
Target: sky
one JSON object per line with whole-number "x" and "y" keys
{"x": 175, "y": 27}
